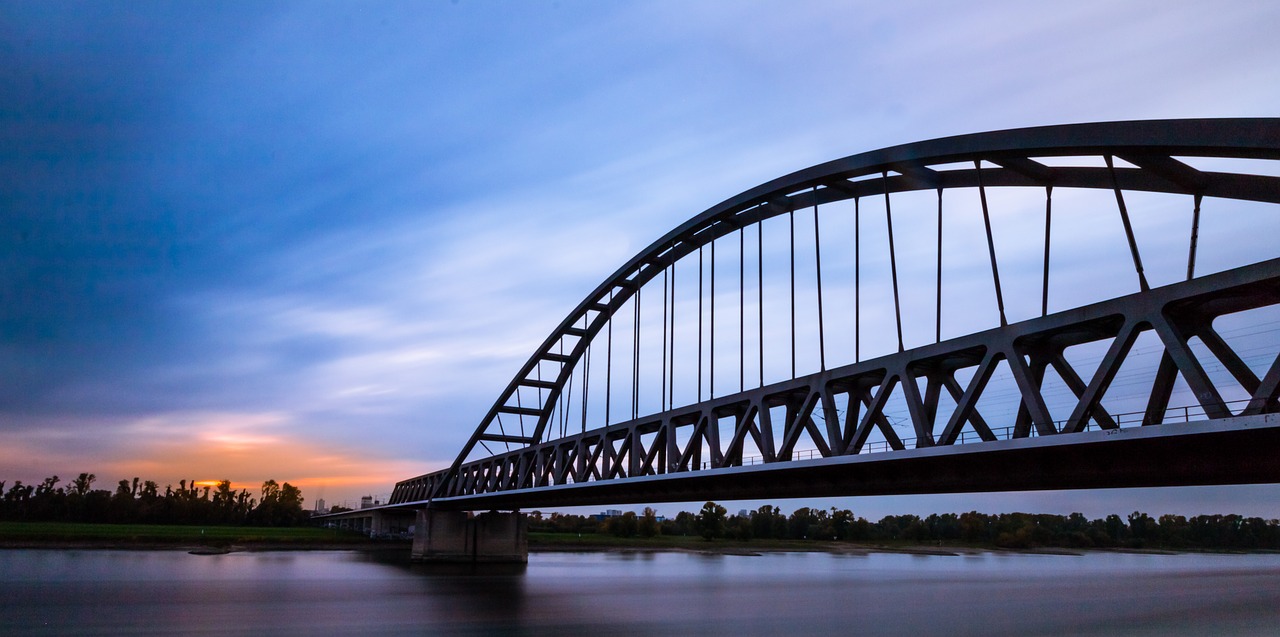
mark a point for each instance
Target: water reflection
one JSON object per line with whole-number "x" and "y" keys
{"x": 285, "y": 593}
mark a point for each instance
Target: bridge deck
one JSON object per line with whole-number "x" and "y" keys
{"x": 1240, "y": 450}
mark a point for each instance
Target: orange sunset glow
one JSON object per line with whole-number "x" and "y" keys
{"x": 246, "y": 449}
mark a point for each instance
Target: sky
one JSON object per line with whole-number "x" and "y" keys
{"x": 311, "y": 242}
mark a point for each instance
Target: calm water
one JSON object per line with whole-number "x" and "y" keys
{"x": 47, "y": 592}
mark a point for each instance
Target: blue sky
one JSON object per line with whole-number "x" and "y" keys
{"x": 312, "y": 241}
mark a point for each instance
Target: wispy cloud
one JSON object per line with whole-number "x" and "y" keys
{"x": 323, "y": 238}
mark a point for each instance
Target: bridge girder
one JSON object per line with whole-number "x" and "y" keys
{"x": 1237, "y": 450}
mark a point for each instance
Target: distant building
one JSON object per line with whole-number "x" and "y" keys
{"x": 615, "y": 513}
{"x": 320, "y": 506}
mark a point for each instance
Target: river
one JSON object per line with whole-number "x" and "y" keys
{"x": 100, "y": 592}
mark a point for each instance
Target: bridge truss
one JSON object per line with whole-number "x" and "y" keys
{"x": 925, "y": 403}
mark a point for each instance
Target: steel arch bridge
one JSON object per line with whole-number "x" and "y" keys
{"x": 622, "y": 403}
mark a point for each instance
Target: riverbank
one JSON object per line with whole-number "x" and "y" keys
{"x": 223, "y": 539}
{"x": 171, "y": 536}
{"x": 570, "y": 542}
{"x": 745, "y": 548}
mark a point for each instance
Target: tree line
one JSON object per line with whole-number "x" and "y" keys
{"x": 1006, "y": 530}
{"x": 143, "y": 502}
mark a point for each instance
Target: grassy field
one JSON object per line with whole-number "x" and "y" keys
{"x": 133, "y": 534}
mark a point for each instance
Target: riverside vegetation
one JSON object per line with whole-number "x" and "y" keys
{"x": 768, "y": 525}
{"x": 139, "y": 512}
{"x": 142, "y": 502}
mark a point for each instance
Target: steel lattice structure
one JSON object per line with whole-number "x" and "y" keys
{"x": 835, "y": 412}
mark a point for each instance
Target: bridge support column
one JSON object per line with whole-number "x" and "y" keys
{"x": 457, "y": 536}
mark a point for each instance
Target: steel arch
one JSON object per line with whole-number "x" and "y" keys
{"x": 1152, "y": 147}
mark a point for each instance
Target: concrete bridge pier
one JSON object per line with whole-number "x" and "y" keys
{"x": 459, "y": 536}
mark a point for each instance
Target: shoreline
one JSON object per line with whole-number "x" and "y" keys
{"x": 861, "y": 549}
{"x": 209, "y": 549}
{"x": 210, "y": 540}
{"x": 710, "y": 548}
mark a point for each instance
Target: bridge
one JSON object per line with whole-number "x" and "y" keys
{"x": 792, "y": 341}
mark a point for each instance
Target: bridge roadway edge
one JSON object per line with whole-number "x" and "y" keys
{"x": 1236, "y": 450}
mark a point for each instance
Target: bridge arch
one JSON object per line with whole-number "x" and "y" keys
{"x": 1147, "y": 156}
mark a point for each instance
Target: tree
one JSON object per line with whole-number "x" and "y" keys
{"x": 1116, "y": 529}
{"x": 1174, "y": 531}
{"x": 81, "y": 485}
{"x": 684, "y": 524}
{"x": 711, "y": 521}
{"x": 768, "y": 522}
{"x": 48, "y": 501}
{"x": 270, "y": 491}
{"x": 1142, "y": 529}
{"x": 738, "y": 527}
{"x": 648, "y": 524}
{"x": 842, "y": 523}
{"x": 47, "y": 487}
{"x": 290, "y": 497}
{"x": 975, "y": 527}
{"x": 624, "y": 525}
{"x": 801, "y": 521}
{"x": 281, "y": 505}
